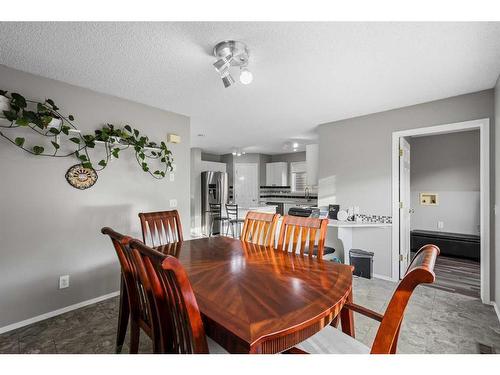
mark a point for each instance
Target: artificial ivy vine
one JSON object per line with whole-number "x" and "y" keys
{"x": 39, "y": 117}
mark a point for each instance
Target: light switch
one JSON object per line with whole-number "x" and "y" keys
{"x": 173, "y": 202}
{"x": 440, "y": 225}
{"x": 172, "y": 176}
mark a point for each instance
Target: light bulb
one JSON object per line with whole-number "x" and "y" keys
{"x": 246, "y": 76}
{"x": 295, "y": 145}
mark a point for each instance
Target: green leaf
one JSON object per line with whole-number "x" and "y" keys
{"x": 87, "y": 165}
{"x": 19, "y": 141}
{"x": 136, "y": 132}
{"x": 38, "y": 150}
{"x": 52, "y": 104}
{"x": 56, "y": 145}
{"x": 102, "y": 163}
{"x": 54, "y": 131}
{"x": 128, "y": 128}
{"x": 90, "y": 144}
{"x": 18, "y": 100}
{"x": 157, "y": 172}
{"x": 10, "y": 115}
{"x": 3, "y": 92}
{"x": 22, "y": 121}
{"x": 46, "y": 120}
{"x": 65, "y": 129}
{"x": 83, "y": 157}
{"x": 142, "y": 156}
{"x": 41, "y": 108}
{"x": 115, "y": 152}
{"x": 71, "y": 118}
{"x": 76, "y": 140}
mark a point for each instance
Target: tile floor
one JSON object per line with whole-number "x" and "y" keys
{"x": 436, "y": 321}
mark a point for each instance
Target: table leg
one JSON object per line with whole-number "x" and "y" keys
{"x": 347, "y": 318}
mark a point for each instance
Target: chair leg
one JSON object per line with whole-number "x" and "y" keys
{"x": 232, "y": 230}
{"x": 347, "y": 318}
{"x": 123, "y": 317}
{"x": 211, "y": 230}
{"x": 135, "y": 333}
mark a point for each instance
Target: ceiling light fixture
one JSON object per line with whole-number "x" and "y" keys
{"x": 232, "y": 53}
{"x": 246, "y": 76}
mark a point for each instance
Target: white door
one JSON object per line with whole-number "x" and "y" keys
{"x": 404, "y": 206}
{"x": 246, "y": 185}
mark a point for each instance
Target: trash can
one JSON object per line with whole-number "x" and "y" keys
{"x": 362, "y": 261}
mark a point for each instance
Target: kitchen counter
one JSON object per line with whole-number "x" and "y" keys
{"x": 353, "y": 224}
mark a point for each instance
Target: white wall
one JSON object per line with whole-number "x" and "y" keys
{"x": 446, "y": 164}
{"x": 48, "y": 228}
{"x": 355, "y": 154}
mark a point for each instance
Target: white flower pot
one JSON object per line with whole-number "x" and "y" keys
{"x": 55, "y": 123}
{"x": 4, "y": 105}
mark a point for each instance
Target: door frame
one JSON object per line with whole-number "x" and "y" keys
{"x": 485, "y": 209}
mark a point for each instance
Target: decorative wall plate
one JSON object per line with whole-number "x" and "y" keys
{"x": 80, "y": 177}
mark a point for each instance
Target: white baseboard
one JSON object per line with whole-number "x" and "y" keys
{"x": 497, "y": 310}
{"x": 382, "y": 277}
{"x": 51, "y": 314}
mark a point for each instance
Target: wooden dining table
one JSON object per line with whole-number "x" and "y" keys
{"x": 256, "y": 299}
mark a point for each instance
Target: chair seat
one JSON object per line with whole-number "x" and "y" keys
{"x": 214, "y": 348}
{"x": 331, "y": 340}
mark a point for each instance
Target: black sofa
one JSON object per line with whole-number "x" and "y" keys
{"x": 451, "y": 244}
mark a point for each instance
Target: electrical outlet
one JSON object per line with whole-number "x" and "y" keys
{"x": 440, "y": 225}
{"x": 173, "y": 202}
{"x": 63, "y": 281}
{"x": 172, "y": 176}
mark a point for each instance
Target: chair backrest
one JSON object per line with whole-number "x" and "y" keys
{"x": 136, "y": 291}
{"x": 420, "y": 270}
{"x": 232, "y": 211}
{"x": 160, "y": 228}
{"x": 300, "y": 233}
{"x": 215, "y": 210}
{"x": 178, "y": 316}
{"x": 259, "y": 228}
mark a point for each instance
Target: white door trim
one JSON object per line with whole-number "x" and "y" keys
{"x": 484, "y": 128}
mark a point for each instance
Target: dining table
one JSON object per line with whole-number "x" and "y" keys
{"x": 257, "y": 299}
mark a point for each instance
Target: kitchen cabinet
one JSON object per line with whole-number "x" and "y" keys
{"x": 277, "y": 174}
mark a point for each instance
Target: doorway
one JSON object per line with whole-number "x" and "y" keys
{"x": 401, "y": 197}
{"x": 246, "y": 185}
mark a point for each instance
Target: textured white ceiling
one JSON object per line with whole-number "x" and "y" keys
{"x": 305, "y": 74}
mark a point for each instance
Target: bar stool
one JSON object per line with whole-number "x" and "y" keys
{"x": 216, "y": 214}
{"x": 232, "y": 214}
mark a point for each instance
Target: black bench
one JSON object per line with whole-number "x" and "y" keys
{"x": 451, "y": 244}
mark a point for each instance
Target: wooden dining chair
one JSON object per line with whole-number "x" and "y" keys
{"x": 332, "y": 340}
{"x": 161, "y": 228}
{"x": 133, "y": 296}
{"x": 259, "y": 228}
{"x": 178, "y": 318}
{"x": 298, "y": 234}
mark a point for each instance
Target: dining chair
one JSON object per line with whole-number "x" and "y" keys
{"x": 233, "y": 219}
{"x": 133, "y": 299}
{"x": 298, "y": 234}
{"x": 331, "y": 340}
{"x": 161, "y": 228}
{"x": 259, "y": 228}
{"x": 216, "y": 214}
{"x": 177, "y": 318}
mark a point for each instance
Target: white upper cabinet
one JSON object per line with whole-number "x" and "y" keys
{"x": 312, "y": 164}
{"x": 276, "y": 174}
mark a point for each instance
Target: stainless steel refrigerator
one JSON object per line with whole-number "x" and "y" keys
{"x": 214, "y": 189}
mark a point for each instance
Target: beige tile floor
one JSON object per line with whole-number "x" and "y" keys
{"x": 436, "y": 321}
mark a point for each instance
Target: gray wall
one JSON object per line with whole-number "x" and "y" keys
{"x": 355, "y": 154}
{"x": 289, "y": 157}
{"x": 48, "y": 228}
{"x": 497, "y": 195}
{"x": 448, "y": 165}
